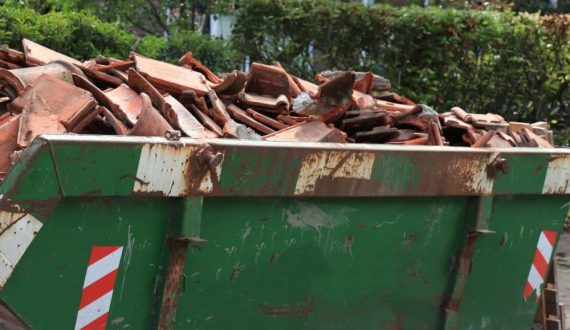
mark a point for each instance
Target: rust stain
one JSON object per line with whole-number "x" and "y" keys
{"x": 347, "y": 245}
{"x": 299, "y": 309}
{"x": 174, "y": 276}
{"x": 274, "y": 257}
{"x": 235, "y": 273}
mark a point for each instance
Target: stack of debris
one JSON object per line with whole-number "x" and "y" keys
{"x": 43, "y": 91}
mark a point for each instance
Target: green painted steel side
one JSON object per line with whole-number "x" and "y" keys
{"x": 262, "y": 256}
{"x": 501, "y": 263}
{"x": 358, "y": 263}
{"x": 46, "y": 286}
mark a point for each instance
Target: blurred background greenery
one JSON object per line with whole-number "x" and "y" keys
{"x": 508, "y": 57}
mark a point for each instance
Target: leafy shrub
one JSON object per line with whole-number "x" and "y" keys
{"x": 82, "y": 36}
{"x": 514, "y": 64}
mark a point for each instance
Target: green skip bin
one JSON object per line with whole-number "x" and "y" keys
{"x": 147, "y": 233}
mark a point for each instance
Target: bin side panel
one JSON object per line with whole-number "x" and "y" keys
{"x": 32, "y": 179}
{"x": 87, "y": 169}
{"x": 47, "y": 285}
{"x": 321, "y": 263}
{"x": 525, "y": 174}
{"x": 493, "y": 297}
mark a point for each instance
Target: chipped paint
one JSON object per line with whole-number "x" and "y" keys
{"x": 557, "y": 179}
{"x": 162, "y": 169}
{"x": 8, "y": 218}
{"x": 472, "y": 173}
{"x": 14, "y": 241}
{"x": 207, "y": 182}
{"x": 127, "y": 259}
{"x": 167, "y": 169}
{"x": 333, "y": 164}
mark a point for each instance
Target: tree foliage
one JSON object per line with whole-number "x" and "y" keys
{"x": 155, "y": 17}
{"x": 83, "y": 36}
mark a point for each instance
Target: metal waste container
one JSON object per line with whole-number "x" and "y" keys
{"x": 147, "y": 233}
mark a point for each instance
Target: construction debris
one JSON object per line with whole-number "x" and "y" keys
{"x": 43, "y": 91}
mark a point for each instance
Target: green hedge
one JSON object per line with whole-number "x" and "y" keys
{"x": 82, "y": 36}
{"x": 481, "y": 60}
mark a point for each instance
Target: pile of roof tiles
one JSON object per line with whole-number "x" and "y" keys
{"x": 43, "y": 91}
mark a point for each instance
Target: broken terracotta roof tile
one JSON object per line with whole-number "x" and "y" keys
{"x": 295, "y": 88}
{"x": 180, "y": 118}
{"x": 434, "y": 133}
{"x": 206, "y": 120}
{"x": 68, "y": 102}
{"x": 268, "y": 80}
{"x": 172, "y": 78}
{"x": 100, "y": 76}
{"x": 242, "y": 116}
{"x": 120, "y": 74}
{"x": 128, "y": 102}
{"x": 482, "y": 141}
{"x": 11, "y": 55}
{"x": 8, "y": 141}
{"x": 231, "y": 84}
{"x": 142, "y": 96}
{"x": 141, "y": 85}
{"x": 87, "y": 119}
{"x": 487, "y": 121}
{"x": 311, "y": 131}
{"x": 118, "y": 126}
{"x": 37, "y": 54}
{"x": 379, "y": 134}
{"x": 364, "y": 83}
{"x": 378, "y": 82}
{"x": 526, "y": 138}
{"x": 306, "y": 86}
{"x": 189, "y": 97}
{"x": 287, "y": 120}
{"x": 149, "y": 122}
{"x": 189, "y": 60}
{"x": 272, "y": 104}
{"x": 19, "y": 79}
{"x": 38, "y": 117}
{"x": 363, "y": 120}
{"x": 395, "y": 98}
{"x": 266, "y": 120}
{"x": 114, "y": 65}
{"x": 337, "y": 90}
{"x": 8, "y": 65}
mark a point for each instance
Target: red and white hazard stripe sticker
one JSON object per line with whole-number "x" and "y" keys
{"x": 539, "y": 267}
{"x": 98, "y": 287}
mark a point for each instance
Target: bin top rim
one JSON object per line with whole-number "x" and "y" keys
{"x": 107, "y": 139}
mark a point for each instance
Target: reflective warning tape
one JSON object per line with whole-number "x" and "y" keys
{"x": 539, "y": 267}
{"x": 98, "y": 287}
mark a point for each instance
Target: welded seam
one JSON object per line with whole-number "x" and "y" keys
{"x": 57, "y": 174}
